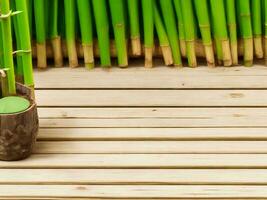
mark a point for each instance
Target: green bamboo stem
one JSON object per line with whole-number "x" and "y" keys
{"x": 118, "y": 21}
{"x": 4, "y": 86}
{"x": 18, "y": 65}
{"x": 30, "y": 14}
{"x": 232, "y": 28}
{"x": 53, "y": 32}
{"x": 69, "y": 6}
{"x": 189, "y": 24}
{"x": 102, "y": 28}
{"x": 181, "y": 30}
{"x": 265, "y": 28}
{"x": 257, "y": 27}
{"x": 147, "y": 10}
{"x": 220, "y": 31}
{"x": 243, "y": 8}
{"x": 7, "y": 45}
{"x": 171, "y": 28}
{"x": 163, "y": 37}
{"x": 1, "y": 47}
{"x": 39, "y": 14}
{"x": 202, "y": 12}
{"x": 133, "y": 11}
{"x": 86, "y": 25}
{"x": 25, "y": 43}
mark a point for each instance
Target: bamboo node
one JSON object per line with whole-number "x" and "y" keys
{"x": 21, "y": 52}
{"x": 3, "y": 72}
{"x": 9, "y": 14}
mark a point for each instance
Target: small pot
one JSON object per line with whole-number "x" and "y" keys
{"x": 18, "y": 131}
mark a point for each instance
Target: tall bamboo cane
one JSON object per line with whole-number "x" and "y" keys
{"x": 232, "y": 28}
{"x": 133, "y": 11}
{"x": 257, "y": 27}
{"x": 53, "y": 33}
{"x": 181, "y": 29}
{"x": 69, "y": 6}
{"x": 86, "y": 24}
{"x": 39, "y": 14}
{"x": 163, "y": 37}
{"x": 102, "y": 28}
{"x": 5, "y": 18}
{"x": 118, "y": 21}
{"x": 265, "y": 28}
{"x": 25, "y": 43}
{"x": 171, "y": 28}
{"x": 204, "y": 24}
{"x": 244, "y": 14}
{"x": 189, "y": 24}
{"x": 220, "y": 30}
{"x": 147, "y": 10}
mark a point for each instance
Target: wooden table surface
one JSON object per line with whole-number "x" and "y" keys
{"x": 139, "y": 133}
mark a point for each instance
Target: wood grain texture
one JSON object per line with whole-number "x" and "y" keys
{"x": 151, "y": 161}
{"x": 134, "y": 176}
{"x": 159, "y": 77}
{"x": 152, "y": 134}
{"x": 129, "y": 191}
{"x": 152, "y": 147}
{"x": 153, "y": 98}
{"x": 152, "y": 117}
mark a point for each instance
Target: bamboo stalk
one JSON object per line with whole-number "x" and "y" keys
{"x": 7, "y": 45}
{"x": 257, "y": 28}
{"x": 243, "y": 7}
{"x": 53, "y": 33}
{"x": 220, "y": 31}
{"x": 147, "y": 10}
{"x": 181, "y": 30}
{"x": 163, "y": 38}
{"x": 102, "y": 27}
{"x": 30, "y": 14}
{"x": 86, "y": 24}
{"x": 18, "y": 63}
{"x": 4, "y": 84}
{"x": 40, "y": 30}
{"x": 69, "y": 6}
{"x": 189, "y": 24}
{"x": 204, "y": 24}
{"x": 133, "y": 10}
{"x": 265, "y": 28}
{"x": 118, "y": 21}
{"x": 171, "y": 28}
{"x": 232, "y": 27}
{"x": 25, "y": 43}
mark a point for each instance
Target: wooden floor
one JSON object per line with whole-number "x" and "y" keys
{"x": 146, "y": 133}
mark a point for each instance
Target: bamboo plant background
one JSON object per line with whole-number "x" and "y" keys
{"x": 15, "y": 34}
{"x": 225, "y": 32}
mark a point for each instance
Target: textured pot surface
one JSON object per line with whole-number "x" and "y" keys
{"x": 18, "y": 131}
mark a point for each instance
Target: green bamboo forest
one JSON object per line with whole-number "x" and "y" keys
{"x": 114, "y": 32}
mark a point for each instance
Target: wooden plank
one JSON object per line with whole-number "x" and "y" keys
{"x": 151, "y": 134}
{"x": 152, "y": 147}
{"x": 152, "y": 161}
{"x": 152, "y": 117}
{"x": 145, "y": 98}
{"x": 159, "y": 77}
{"x": 131, "y": 191}
{"x": 134, "y": 176}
